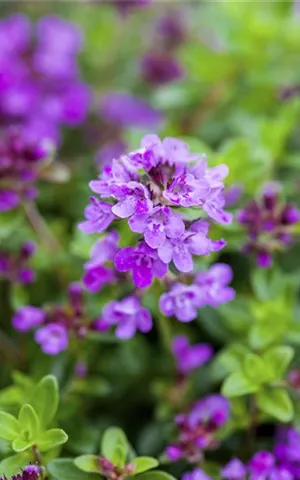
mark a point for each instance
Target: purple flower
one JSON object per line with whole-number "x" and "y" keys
{"x": 186, "y": 190}
{"x": 144, "y": 263}
{"x": 39, "y": 78}
{"x": 53, "y": 338}
{"x": 261, "y": 465}
{"x": 98, "y": 217}
{"x": 126, "y": 110}
{"x": 105, "y": 249}
{"x": 119, "y": 172}
{"x": 160, "y": 68}
{"x": 14, "y": 267}
{"x": 214, "y": 284}
{"x": 233, "y": 194}
{"x": 197, "y": 474}
{"x": 8, "y": 200}
{"x": 192, "y": 242}
{"x": 96, "y": 276}
{"x": 269, "y": 224}
{"x": 182, "y": 301}
{"x": 212, "y": 410}
{"x": 196, "y": 429}
{"x": 170, "y": 30}
{"x": 234, "y": 470}
{"x": 134, "y": 198}
{"x": 161, "y": 223}
{"x": 165, "y": 158}
{"x": 189, "y": 357}
{"x": 129, "y": 316}
{"x": 27, "y": 318}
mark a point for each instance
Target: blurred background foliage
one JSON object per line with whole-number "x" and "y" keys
{"x": 237, "y": 102}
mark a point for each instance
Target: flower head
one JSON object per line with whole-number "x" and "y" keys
{"x": 269, "y": 224}
{"x": 214, "y": 284}
{"x": 27, "y": 318}
{"x": 182, "y": 301}
{"x": 98, "y": 217}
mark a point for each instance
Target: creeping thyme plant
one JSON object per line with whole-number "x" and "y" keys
{"x": 149, "y": 237}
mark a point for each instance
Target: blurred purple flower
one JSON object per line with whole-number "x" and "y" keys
{"x": 189, "y": 357}
{"x": 128, "y": 315}
{"x": 125, "y": 110}
{"x": 160, "y": 68}
{"x": 197, "y": 428}
{"x": 197, "y": 474}
{"x": 53, "y": 338}
{"x": 214, "y": 284}
{"x": 268, "y": 223}
{"x": 234, "y": 470}
{"x": 15, "y": 268}
{"x": 182, "y": 301}
{"x": 39, "y": 79}
{"x": 28, "y": 317}
{"x": 110, "y": 151}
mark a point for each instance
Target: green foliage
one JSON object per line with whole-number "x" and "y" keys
{"x": 64, "y": 469}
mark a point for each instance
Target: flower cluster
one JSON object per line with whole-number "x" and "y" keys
{"x": 56, "y": 323}
{"x": 15, "y": 268}
{"x": 209, "y": 288}
{"x": 147, "y": 187}
{"x": 269, "y": 224}
{"x": 189, "y": 357}
{"x": 22, "y": 159}
{"x": 113, "y": 472}
{"x": 159, "y": 65}
{"x": 197, "y": 429}
{"x": 40, "y": 86}
{"x": 31, "y": 472}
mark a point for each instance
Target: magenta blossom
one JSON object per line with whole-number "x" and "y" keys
{"x": 157, "y": 226}
{"x": 189, "y": 357}
{"x": 182, "y": 301}
{"x": 98, "y": 217}
{"x": 234, "y": 470}
{"x": 197, "y": 474}
{"x": 144, "y": 263}
{"x": 128, "y": 315}
{"x": 192, "y": 242}
{"x": 53, "y": 338}
{"x": 134, "y": 198}
{"x": 214, "y": 284}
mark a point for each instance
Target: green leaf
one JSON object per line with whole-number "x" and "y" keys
{"x": 12, "y": 465}
{"x": 279, "y": 358}
{"x": 255, "y": 369}
{"x": 10, "y": 396}
{"x": 20, "y": 444}
{"x": 237, "y": 384}
{"x": 119, "y": 456}
{"x": 277, "y": 403}
{"x": 9, "y": 426}
{"x": 88, "y": 463}
{"x": 112, "y": 438}
{"x": 51, "y": 438}
{"x": 29, "y": 422}
{"x": 45, "y": 399}
{"x": 157, "y": 475}
{"x": 142, "y": 464}
{"x": 65, "y": 469}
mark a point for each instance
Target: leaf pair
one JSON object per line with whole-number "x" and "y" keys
{"x": 116, "y": 449}
{"x": 30, "y": 428}
{"x": 257, "y": 375}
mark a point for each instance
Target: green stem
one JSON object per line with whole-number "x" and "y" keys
{"x": 41, "y": 228}
{"x": 165, "y": 332}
